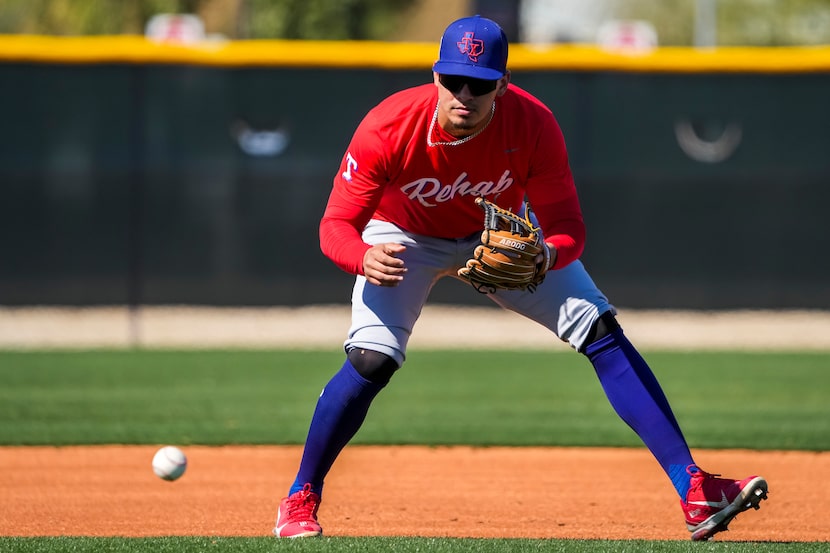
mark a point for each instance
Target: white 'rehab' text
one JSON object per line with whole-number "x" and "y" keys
{"x": 430, "y": 192}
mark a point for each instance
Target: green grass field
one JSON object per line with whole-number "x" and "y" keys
{"x": 771, "y": 401}
{"x": 722, "y": 400}
{"x": 386, "y": 545}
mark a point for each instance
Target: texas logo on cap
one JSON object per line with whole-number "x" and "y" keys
{"x": 471, "y": 46}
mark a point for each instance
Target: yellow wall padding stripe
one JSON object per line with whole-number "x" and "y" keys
{"x": 398, "y": 55}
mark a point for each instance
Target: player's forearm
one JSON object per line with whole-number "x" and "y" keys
{"x": 343, "y": 221}
{"x": 569, "y": 245}
{"x": 564, "y": 229}
{"x": 341, "y": 243}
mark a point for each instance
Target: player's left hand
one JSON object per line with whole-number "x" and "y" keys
{"x": 512, "y": 254}
{"x": 382, "y": 267}
{"x": 546, "y": 259}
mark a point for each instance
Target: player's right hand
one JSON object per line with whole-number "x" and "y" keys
{"x": 381, "y": 265}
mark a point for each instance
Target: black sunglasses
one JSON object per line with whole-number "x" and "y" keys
{"x": 478, "y": 87}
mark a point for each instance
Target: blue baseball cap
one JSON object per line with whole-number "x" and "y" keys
{"x": 473, "y": 47}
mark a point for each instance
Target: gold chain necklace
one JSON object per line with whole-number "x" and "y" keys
{"x": 460, "y": 140}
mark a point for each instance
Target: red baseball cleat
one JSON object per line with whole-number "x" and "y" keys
{"x": 297, "y": 515}
{"x": 713, "y": 502}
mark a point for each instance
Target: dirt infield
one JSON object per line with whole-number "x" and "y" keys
{"x": 397, "y": 491}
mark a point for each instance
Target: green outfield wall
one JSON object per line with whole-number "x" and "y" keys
{"x": 136, "y": 172}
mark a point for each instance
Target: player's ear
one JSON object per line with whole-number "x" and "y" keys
{"x": 501, "y": 88}
{"x": 435, "y": 78}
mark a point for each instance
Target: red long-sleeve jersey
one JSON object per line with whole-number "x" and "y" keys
{"x": 389, "y": 172}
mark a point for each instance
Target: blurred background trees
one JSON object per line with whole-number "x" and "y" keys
{"x": 733, "y": 22}
{"x": 233, "y": 19}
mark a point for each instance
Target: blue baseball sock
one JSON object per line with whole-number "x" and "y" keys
{"x": 341, "y": 410}
{"x": 637, "y": 398}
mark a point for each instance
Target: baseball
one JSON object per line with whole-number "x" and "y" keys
{"x": 169, "y": 463}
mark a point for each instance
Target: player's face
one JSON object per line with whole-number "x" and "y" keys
{"x": 464, "y": 104}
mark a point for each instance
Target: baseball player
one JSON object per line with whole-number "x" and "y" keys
{"x": 403, "y": 214}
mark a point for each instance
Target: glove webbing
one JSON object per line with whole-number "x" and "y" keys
{"x": 493, "y": 215}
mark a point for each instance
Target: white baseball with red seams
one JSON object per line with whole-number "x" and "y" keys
{"x": 169, "y": 463}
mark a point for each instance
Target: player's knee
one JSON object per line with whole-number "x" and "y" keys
{"x": 372, "y": 365}
{"x": 602, "y": 327}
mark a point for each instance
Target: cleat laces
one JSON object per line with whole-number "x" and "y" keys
{"x": 303, "y": 505}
